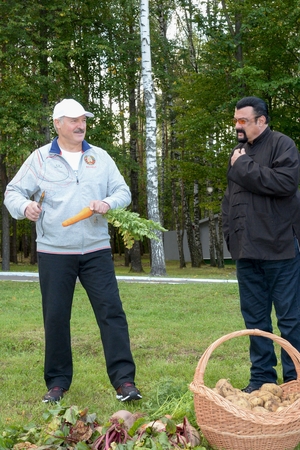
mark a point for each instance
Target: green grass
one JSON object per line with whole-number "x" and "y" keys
{"x": 170, "y": 327}
{"x": 172, "y": 268}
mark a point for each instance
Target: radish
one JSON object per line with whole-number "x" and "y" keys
{"x": 120, "y": 423}
{"x": 125, "y": 417}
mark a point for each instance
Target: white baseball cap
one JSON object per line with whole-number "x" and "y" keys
{"x": 70, "y": 108}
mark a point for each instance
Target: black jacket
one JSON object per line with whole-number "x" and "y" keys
{"x": 261, "y": 206}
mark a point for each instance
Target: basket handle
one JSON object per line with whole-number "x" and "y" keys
{"x": 293, "y": 353}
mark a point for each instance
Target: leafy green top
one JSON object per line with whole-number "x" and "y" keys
{"x": 131, "y": 226}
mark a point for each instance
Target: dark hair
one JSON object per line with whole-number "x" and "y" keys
{"x": 259, "y": 106}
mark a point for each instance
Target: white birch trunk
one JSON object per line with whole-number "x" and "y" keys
{"x": 158, "y": 266}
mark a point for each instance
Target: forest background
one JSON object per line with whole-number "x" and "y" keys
{"x": 206, "y": 55}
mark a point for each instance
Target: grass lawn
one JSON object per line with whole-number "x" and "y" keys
{"x": 172, "y": 268}
{"x": 170, "y": 327}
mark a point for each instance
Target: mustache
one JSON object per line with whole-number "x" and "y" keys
{"x": 79, "y": 130}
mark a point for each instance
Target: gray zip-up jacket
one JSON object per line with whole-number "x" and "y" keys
{"x": 66, "y": 193}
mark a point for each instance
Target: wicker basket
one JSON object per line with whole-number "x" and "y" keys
{"x": 229, "y": 427}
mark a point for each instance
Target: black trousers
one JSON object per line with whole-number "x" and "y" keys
{"x": 263, "y": 285}
{"x": 58, "y": 275}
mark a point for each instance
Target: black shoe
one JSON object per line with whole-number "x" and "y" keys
{"x": 127, "y": 392}
{"x": 54, "y": 395}
{"x": 250, "y": 388}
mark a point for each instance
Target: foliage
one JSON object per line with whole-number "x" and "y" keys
{"x": 220, "y": 52}
{"x": 131, "y": 226}
{"x": 70, "y": 427}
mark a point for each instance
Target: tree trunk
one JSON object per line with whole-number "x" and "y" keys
{"x": 33, "y": 254}
{"x": 112, "y": 234}
{"x": 13, "y": 243}
{"x": 25, "y": 247}
{"x": 237, "y": 35}
{"x": 188, "y": 14}
{"x": 135, "y": 258}
{"x": 219, "y": 248}
{"x": 197, "y": 218}
{"x": 135, "y": 252}
{"x": 165, "y": 101}
{"x": 212, "y": 238}
{"x": 195, "y": 256}
{"x": 158, "y": 266}
{"x": 5, "y": 240}
{"x": 178, "y": 225}
{"x": 5, "y": 218}
{"x": 126, "y": 257}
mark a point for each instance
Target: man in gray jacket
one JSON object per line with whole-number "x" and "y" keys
{"x": 70, "y": 174}
{"x": 261, "y": 225}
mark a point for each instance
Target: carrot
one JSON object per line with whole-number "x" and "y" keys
{"x": 83, "y": 214}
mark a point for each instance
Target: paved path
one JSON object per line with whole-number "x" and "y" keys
{"x": 31, "y": 276}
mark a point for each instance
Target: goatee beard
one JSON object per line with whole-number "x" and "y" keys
{"x": 243, "y": 139}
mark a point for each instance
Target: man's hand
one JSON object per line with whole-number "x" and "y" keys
{"x": 236, "y": 154}
{"x": 99, "y": 207}
{"x": 33, "y": 211}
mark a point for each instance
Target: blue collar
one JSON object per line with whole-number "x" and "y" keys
{"x": 55, "y": 148}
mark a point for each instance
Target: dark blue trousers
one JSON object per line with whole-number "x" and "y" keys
{"x": 263, "y": 284}
{"x": 58, "y": 275}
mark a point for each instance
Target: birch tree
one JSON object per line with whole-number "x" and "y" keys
{"x": 158, "y": 266}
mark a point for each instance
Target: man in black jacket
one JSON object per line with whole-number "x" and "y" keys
{"x": 261, "y": 225}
